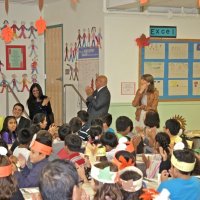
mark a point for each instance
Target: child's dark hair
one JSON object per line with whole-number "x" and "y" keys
{"x": 122, "y": 123}
{"x": 152, "y": 119}
{"x": 173, "y": 125}
{"x": 38, "y": 118}
{"x": 164, "y": 140}
{"x": 34, "y": 128}
{"x": 109, "y": 139}
{"x": 83, "y": 115}
{"x": 126, "y": 176}
{"x": 73, "y": 142}
{"x": 186, "y": 156}
{"x": 75, "y": 124}
{"x": 24, "y": 136}
{"x": 8, "y": 184}
{"x": 97, "y": 122}
{"x": 94, "y": 133}
{"x": 63, "y": 131}
{"x": 107, "y": 118}
{"x": 44, "y": 137}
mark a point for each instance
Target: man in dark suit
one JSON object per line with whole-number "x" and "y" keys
{"x": 22, "y": 122}
{"x": 98, "y": 101}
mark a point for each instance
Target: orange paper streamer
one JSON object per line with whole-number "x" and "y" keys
{"x": 40, "y": 4}
{"x": 6, "y": 6}
{"x": 42, "y": 148}
{"x": 5, "y": 171}
{"x": 40, "y": 25}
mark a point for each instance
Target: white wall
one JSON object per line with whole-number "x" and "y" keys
{"x": 28, "y": 14}
{"x": 122, "y": 59}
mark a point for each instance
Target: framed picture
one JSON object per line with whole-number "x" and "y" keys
{"x": 15, "y": 57}
{"x": 128, "y": 88}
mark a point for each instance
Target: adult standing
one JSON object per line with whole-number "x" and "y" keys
{"x": 39, "y": 103}
{"x": 146, "y": 99}
{"x": 98, "y": 101}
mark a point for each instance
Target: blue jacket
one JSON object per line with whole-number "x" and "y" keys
{"x": 30, "y": 177}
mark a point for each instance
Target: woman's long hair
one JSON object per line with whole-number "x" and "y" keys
{"x": 149, "y": 78}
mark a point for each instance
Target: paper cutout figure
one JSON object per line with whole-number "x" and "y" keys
{"x": 71, "y": 53}
{"x": 93, "y": 36}
{"x": 71, "y": 72}
{"x": 76, "y": 72}
{"x": 33, "y": 48}
{"x": 88, "y": 38}
{"x": 34, "y": 78}
{"x": 5, "y": 24}
{"x": 22, "y": 29}
{"x": 84, "y": 38}
{"x": 34, "y": 65}
{"x": 25, "y": 82}
{"x": 106, "y": 174}
{"x": 40, "y": 25}
{"x": 66, "y": 51}
{"x": 32, "y": 30}
{"x": 79, "y": 37}
{"x": 99, "y": 38}
{"x": 1, "y": 65}
{"x": 14, "y": 83}
{"x": 15, "y": 29}
{"x": 3, "y": 83}
{"x": 75, "y": 52}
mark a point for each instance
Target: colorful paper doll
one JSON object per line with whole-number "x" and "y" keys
{"x": 99, "y": 38}
{"x": 34, "y": 78}
{"x": 66, "y": 51}
{"x": 14, "y": 83}
{"x": 88, "y": 38}
{"x": 1, "y": 65}
{"x": 71, "y": 53}
{"x": 5, "y": 24}
{"x": 34, "y": 65}
{"x": 25, "y": 82}
{"x": 76, "y": 72}
{"x": 22, "y": 29}
{"x": 3, "y": 83}
{"x": 71, "y": 70}
{"x": 15, "y": 29}
{"x": 75, "y": 52}
{"x": 79, "y": 38}
{"x": 32, "y": 30}
{"x": 84, "y": 38}
{"x": 33, "y": 48}
{"x": 93, "y": 36}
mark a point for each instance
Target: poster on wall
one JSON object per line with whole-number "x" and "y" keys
{"x": 15, "y": 57}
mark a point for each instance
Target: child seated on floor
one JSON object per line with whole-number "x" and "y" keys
{"x": 24, "y": 138}
{"x": 41, "y": 148}
{"x": 9, "y": 189}
{"x": 72, "y": 149}
{"x": 182, "y": 185}
{"x": 122, "y": 126}
{"x": 75, "y": 124}
{"x": 104, "y": 181}
{"x": 107, "y": 121}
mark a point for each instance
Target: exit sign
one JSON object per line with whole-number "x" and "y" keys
{"x": 163, "y": 31}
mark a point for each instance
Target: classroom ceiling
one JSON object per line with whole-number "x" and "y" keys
{"x": 157, "y": 6}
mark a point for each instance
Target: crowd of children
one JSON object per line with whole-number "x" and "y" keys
{"x": 61, "y": 160}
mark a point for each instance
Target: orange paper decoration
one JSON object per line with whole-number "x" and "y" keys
{"x": 148, "y": 194}
{"x": 7, "y": 34}
{"x": 6, "y": 6}
{"x": 74, "y": 2}
{"x": 143, "y": 41}
{"x": 40, "y": 4}
{"x": 143, "y": 2}
{"x": 40, "y": 25}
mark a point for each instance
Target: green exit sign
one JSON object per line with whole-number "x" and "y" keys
{"x": 163, "y": 31}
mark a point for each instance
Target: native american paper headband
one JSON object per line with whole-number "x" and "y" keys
{"x": 42, "y": 148}
{"x": 5, "y": 170}
{"x": 122, "y": 163}
{"x": 101, "y": 151}
{"x": 183, "y": 166}
{"x": 131, "y": 185}
{"x": 103, "y": 175}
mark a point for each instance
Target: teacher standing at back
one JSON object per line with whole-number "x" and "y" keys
{"x": 146, "y": 99}
{"x": 98, "y": 101}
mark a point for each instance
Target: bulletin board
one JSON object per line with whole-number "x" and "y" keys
{"x": 175, "y": 66}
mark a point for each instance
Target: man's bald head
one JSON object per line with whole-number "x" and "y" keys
{"x": 101, "y": 81}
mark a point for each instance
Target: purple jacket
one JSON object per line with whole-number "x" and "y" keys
{"x": 30, "y": 177}
{"x": 7, "y": 139}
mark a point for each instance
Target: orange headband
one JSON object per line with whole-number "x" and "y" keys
{"x": 42, "y": 148}
{"x": 5, "y": 171}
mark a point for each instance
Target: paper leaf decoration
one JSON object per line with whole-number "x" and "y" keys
{"x": 74, "y": 2}
{"x": 6, "y": 6}
{"x": 40, "y": 25}
{"x": 7, "y": 34}
{"x": 143, "y": 2}
{"x": 148, "y": 194}
{"x": 105, "y": 174}
{"x": 40, "y": 4}
{"x": 142, "y": 41}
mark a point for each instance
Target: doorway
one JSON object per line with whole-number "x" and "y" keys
{"x": 54, "y": 69}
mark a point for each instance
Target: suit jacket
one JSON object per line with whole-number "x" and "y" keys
{"x": 23, "y": 123}
{"x": 98, "y": 104}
